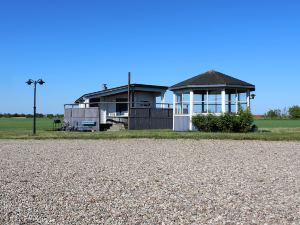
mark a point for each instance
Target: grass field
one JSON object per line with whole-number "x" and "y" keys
{"x": 263, "y": 123}
{"x": 21, "y": 128}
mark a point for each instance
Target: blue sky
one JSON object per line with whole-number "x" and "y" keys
{"x": 75, "y": 46}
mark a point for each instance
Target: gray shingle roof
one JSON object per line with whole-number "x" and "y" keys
{"x": 124, "y": 88}
{"x": 212, "y": 78}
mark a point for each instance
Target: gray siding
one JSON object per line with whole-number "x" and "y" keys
{"x": 75, "y": 117}
{"x": 181, "y": 123}
{"x": 151, "y": 118}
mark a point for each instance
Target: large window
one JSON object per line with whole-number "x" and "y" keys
{"x": 200, "y": 102}
{"x": 120, "y": 106}
{"x": 182, "y": 103}
{"x": 235, "y": 100}
{"x": 94, "y": 102}
{"x": 210, "y": 101}
{"x": 214, "y": 102}
{"x": 242, "y": 100}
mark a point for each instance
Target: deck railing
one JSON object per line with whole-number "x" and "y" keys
{"x": 133, "y": 105}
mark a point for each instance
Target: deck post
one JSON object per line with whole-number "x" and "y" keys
{"x": 223, "y": 97}
{"x": 191, "y": 109}
{"x": 128, "y": 99}
{"x": 162, "y": 100}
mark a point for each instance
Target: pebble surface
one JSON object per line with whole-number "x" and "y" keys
{"x": 145, "y": 181}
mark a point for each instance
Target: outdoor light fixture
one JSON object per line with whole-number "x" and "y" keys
{"x": 29, "y": 82}
{"x": 253, "y": 96}
{"x": 34, "y": 82}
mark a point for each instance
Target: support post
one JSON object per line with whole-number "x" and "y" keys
{"x": 223, "y": 97}
{"x": 174, "y": 109}
{"x": 99, "y": 117}
{"x": 128, "y": 98}
{"x": 207, "y": 101}
{"x": 162, "y": 100}
{"x": 248, "y": 99}
{"x": 229, "y": 103}
{"x": 236, "y": 101}
{"x": 181, "y": 103}
{"x": 202, "y": 103}
{"x": 191, "y": 109}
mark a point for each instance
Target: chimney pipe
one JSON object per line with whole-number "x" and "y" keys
{"x": 104, "y": 87}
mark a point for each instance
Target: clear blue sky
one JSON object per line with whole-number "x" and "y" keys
{"x": 75, "y": 46}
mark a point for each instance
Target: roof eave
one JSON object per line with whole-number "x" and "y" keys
{"x": 251, "y": 87}
{"x": 121, "y": 89}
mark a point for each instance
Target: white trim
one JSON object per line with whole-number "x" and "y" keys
{"x": 207, "y": 97}
{"x": 191, "y": 109}
{"x": 223, "y": 97}
{"x": 248, "y": 99}
{"x": 236, "y": 101}
{"x": 174, "y": 109}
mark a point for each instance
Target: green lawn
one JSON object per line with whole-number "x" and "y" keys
{"x": 263, "y": 123}
{"x": 21, "y": 128}
{"x": 24, "y": 124}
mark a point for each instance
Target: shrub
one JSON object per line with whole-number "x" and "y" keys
{"x": 294, "y": 112}
{"x": 246, "y": 120}
{"x": 207, "y": 123}
{"x": 227, "y": 122}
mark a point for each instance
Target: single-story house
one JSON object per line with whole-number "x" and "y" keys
{"x": 209, "y": 92}
{"x": 110, "y": 105}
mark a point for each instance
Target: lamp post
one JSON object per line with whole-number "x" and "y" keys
{"x": 34, "y": 82}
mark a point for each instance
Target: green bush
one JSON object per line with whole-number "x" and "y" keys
{"x": 246, "y": 120}
{"x": 294, "y": 112}
{"x": 227, "y": 122}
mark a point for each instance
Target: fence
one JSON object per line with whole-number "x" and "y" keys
{"x": 140, "y": 118}
{"x": 151, "y": 118}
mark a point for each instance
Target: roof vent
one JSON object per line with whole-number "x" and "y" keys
{"x": 104, "y": 87}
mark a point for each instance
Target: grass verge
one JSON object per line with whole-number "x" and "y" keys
{"x": 270, "y": 135}
{"x": 17, "y": 128}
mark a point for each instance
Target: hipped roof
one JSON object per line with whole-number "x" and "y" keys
{"x": 211, "y": 79}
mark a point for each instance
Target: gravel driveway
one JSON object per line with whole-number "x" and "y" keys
{"x": 149, "y": 182}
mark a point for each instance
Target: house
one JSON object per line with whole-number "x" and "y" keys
{"x": 209, "y": 92}
{"x": 110, "y": 106}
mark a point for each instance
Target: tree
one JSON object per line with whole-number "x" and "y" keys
{"x": 294, "y": 112}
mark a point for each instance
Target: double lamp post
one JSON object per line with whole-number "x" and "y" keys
{"x": 34, "y": 82}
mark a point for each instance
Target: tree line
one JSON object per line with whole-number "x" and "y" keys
{"x": 291, "y": 113}
{"x": 38, "y": 115}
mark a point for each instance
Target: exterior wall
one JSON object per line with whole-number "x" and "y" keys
{"x": 75, "y": 117}
{"x": 144, "y": 96}
{"x": 140, "y": 119}
{"x": 181, "y": 123}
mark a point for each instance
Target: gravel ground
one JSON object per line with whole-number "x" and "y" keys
{"x": 149, "y": 182}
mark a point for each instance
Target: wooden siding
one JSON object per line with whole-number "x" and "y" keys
{"x": 151, "y": 118}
